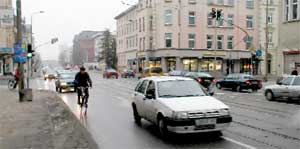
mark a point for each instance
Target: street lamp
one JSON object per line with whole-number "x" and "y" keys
{"x": 32, "y": 45}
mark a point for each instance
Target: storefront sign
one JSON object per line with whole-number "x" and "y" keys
{"x": 219, "y": 54}
{"x": 6, "y": 50}
{"x": 19, "y": 53}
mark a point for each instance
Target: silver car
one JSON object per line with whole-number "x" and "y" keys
{"x": 289, "y": 87}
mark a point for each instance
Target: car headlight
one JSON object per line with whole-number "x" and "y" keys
{"x": 224, "y": 112}
{"x": 46, "y": 75}
{"x": 181, "y": 115}
{"x": 63, "y": 83}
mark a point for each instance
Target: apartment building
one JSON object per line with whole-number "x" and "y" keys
{"x": 269, "y": 22}
{"x": 289, "y": 36}
{"x": 7, "y": 36}
{"x": 181, "y": 35}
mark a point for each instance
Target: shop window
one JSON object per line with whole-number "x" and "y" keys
{"x": 190, "y": 65}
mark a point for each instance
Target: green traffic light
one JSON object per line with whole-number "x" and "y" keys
{"x": 29, "y": 55}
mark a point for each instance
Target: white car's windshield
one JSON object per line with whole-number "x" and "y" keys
{"x": 67, "y": 76}
{"x": 179, "y": 88}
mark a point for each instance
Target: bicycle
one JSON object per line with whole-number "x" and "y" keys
{"x": 11, "y": 84}
{"x": 83, "y": 97}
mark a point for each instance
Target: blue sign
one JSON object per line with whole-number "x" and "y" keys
{"x": 7, "y": 50}
{"x": 258, "y": 53}
{"x": 19, "y": 53}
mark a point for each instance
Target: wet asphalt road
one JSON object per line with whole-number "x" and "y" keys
{"x": 257, "y": 123}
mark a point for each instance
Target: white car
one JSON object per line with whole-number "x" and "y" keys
{"x": 178, "y": 105}
{"x": 289, "y": 87}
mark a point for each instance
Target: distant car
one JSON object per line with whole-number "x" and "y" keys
{"x": 127, "y": 73}
{"x": 178, "y": 105}
{"x": 50, "y": 75}
{"x": 110, "y": 73}
{"x": 205, "y": 79}
{"x": 65, "y": 81}
{"x": 152, "y": 71}
{"x": 289, "y": 87}
{"x": 239, "y": 82}
{"x": 177, "y": 73}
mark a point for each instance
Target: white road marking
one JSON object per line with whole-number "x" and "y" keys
{"x": 220, "y": 93}
{"x": 238, "y": 143}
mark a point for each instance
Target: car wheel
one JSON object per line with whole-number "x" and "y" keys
{"x": 269, "y": 95}
{"x": 163, "y": 127}
{"x": 219, "y": 86}
{"x": 136, "y": 116}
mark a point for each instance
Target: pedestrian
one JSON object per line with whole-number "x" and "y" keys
{"x": 17, "y": 76}
{"x": 295, "y": 72}
{"x": 227, "y": 70}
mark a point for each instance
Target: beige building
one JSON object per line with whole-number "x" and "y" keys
{"x": 272, "y": 23}
{"x": 180, "y": 35}
{"x": 289, "y": 36}
{"x": 7, "y": 36}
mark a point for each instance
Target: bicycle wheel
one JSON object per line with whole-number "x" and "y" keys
{"x": 11, "y": 84}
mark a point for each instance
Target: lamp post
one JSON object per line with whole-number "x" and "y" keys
{"x": 31, "y": 41}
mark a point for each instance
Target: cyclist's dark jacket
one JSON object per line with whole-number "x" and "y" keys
{"x": 83, "y": 80}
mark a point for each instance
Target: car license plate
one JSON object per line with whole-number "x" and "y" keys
{"x": 254, "y": 82}
{"x": 211, "y": 121}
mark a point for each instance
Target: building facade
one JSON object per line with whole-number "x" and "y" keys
{"x": 84, "y": 47}
{"x": 7, "y": 36}
{"x": 289, "y": 36}
{"x": 181, "y": 35}
{"x": 269, "y": 24}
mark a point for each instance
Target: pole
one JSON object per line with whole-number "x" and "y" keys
{"x": 267, "y": 43}
{"x": 29, "y": 60}
{"x": 215, "y": 43}
{"x": 19, "y": 40}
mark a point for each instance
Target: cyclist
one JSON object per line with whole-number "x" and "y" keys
{"x": 82, "y": 79}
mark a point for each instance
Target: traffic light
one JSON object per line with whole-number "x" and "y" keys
{"x": 219, "y": 14}
{"x": 30, "y": 51}
{"x": 213, "y": 13}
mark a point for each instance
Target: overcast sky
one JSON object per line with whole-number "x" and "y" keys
{"x": 65, "y": 18}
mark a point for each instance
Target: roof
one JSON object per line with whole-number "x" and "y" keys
{"x": 125, "y": 12}
{"x": 167, "y": 78}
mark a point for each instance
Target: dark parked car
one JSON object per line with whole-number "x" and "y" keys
{"x": 128, "y": 73}
{"x": 110, "y": 73}
{"x": 239, "y": 82}
{"x": 177, "y": 73}
{"x": 205, "y": 79}
{"x": 65, "y": 81}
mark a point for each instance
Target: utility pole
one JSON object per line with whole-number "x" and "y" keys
{"x": 19, "y": 41}
{"x": 267, "y": 43}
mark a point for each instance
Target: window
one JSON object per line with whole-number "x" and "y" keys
{"x": 231, "y": 2}
{"x": 140, "y": 25}
{"x": 168, "y": 17}
{"x": 143, "y": 24}
{"x": 230, "y": 42}
{"x": 151, "y": 88}
{"x": 230, "y": 21}
{"x": 191, "y": 40}
{"x": 296, "y": 81}
{"x": 270, "y": 36}
{"x": 192, "y": 1}
{"x": 151, "y": 43}
{"x": 209, "y": 2}
{"x": 295, "y": 8}
{"x": 192, "y": 18}
{"x": 209, "y": 41}
{"x": 249, "y": 21}
{"x": 250, "y": 4}
{"x": 287, "y": 10}
{"x": 220, "y": 41}
{"x": 220, "y": 23}
{"x": 221, "y": 2}
{"x": 151, "y": 23}
{"x": 287, "y": 81}
{"x": 142, "y": 87}
{"x": 209, "y": 20}
{"x": 270, "y": 18}
{"x": 168, "y": 39}
{"x": 249, "y": 42}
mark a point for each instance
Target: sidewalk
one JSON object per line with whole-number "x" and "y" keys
{"x": 45, "y": 123}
